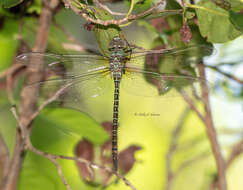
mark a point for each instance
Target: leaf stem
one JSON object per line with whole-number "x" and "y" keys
{"x": 207, "y": 9}
{"x": 131, "y": 8}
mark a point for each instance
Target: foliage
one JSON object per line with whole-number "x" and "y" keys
{"x": 11, "y": 3}
{"x": 59, "y": 131}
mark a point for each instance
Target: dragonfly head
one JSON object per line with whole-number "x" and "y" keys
{"x": 117, "y": 44}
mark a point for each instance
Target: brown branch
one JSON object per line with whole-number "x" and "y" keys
{"x": 25, "y": 133}
{"x": 124, "y": 20}
{"x": 172, "y": 148}
{"x": 211, "y": 133}
{"x": 235, "y": 152}
{"x": 29, "y": 146}
{"x": 29, "y": 99}
{"x": 12, "y": 69}
{"x": 48, "y": 101}
{"x": 192, "y": 106}
{"x": 225, "y": 74}
{"x": 81, "y": 160}
{"x": 8, "y": 75}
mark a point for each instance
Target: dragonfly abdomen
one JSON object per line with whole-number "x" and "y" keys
{"x": 115, "y": 123}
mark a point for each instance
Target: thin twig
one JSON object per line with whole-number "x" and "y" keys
{"x": 191, "y": 104}
{"x": 173, "y": 145}
{"x": 29, "y": 146}
{"x": 12, "y": 69}
{"x": 113, "y": 21}
{"x": 59, "y": 170}
{"x": 48, "y": 101}
{"x": 237, "y": 150}
{"x": 99, "y": 4}
{"x": 211, "y": 133}
{"x": 225, "y": 74}
{"x": 8, "y": 75}
{"x": 53, "y": 158}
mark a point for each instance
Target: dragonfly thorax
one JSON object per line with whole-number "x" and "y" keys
{"x": 118, "y": 56}
{"x": 118, "y": 49}
{"x": 117, "y": 44}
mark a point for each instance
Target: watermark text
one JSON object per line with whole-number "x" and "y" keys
{"x": 146, "y": 114}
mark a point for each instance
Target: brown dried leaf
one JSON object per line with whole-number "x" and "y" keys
{"x": 105, "y": 156}
{"x": 127, "y": 158}
{"x": 85, "y": 150}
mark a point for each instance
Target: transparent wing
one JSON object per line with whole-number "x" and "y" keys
{"x": 165, "y": 73}
{"x": 68, "y": 65}
{"x": 58, "y": 70}
{"x": 170, "y": 60}
{"x": 85, "y": 75}
{"x": 152, "y": 84}
{"x": 72, "y": 91}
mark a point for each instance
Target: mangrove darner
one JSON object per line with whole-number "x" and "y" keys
{"x": 138, "y": 73}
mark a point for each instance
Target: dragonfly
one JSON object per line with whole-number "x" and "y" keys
{"x": 135, "y": 71}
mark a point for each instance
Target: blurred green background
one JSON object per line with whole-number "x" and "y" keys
{"x": 59, "y": 130}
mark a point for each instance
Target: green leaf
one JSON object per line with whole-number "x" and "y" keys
{"x": 8, "y": 42}
{"x": 214, "y": 23}
{"x": 141, "y": 5}
{"x": 9, "y": 3}
{"x": 58, "y": 131}
{"x": 62, "y": 128}
{"x": 147, "y": 25}
{"x": 7, "y": 122}
{"x": 175, "y": 23}
{"x": 189, "y": 14}
{"x": 39, "y": 173}
{"x": 237, "y": 20}
{"x": 35, "y": 7}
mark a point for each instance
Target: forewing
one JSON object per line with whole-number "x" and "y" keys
{"x": 74, "y": 76}
{"x": 176, "y": 60}
{"x": 68, "y": 65}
